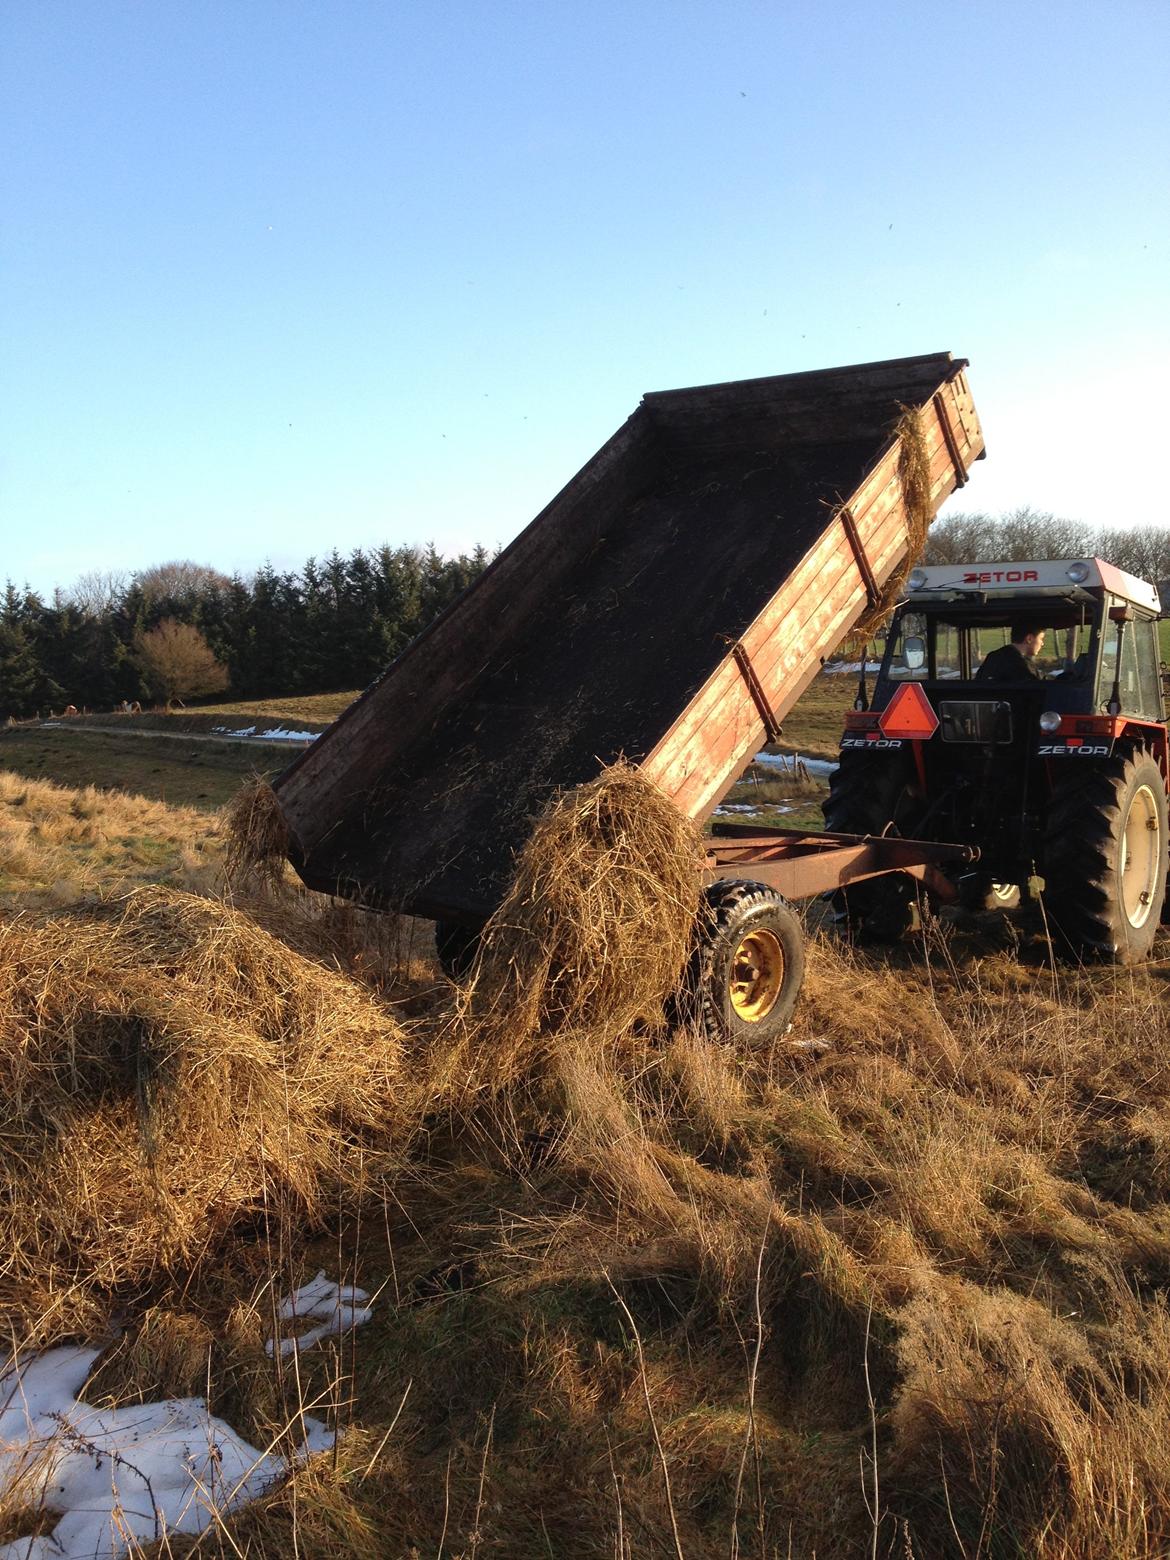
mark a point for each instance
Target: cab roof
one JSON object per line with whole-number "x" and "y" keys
{"x": 1016, "y": 582}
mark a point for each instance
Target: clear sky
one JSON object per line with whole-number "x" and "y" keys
{"x": 284, "y": 275}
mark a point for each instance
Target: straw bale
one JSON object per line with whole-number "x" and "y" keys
{"x": 256, "y": 836}
{"x": 593, "y": 935}
{"x": 166, "y": 1068}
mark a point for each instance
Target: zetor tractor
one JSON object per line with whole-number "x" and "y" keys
{"x": 1053, "y": 761}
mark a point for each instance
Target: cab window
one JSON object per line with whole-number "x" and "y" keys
{"x": 1137, "y": 686}
{"x": 1145, "y": 639}
{"x": 922, "y": 649}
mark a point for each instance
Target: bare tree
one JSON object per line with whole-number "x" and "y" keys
{"x": 98, "y": 591}
{"x": 179, "y": 580}
{"x": 1015, "y": 537}
{"x": 178, "y": 661}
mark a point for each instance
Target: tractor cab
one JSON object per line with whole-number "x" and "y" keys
{"x": 1014, "y": 706}
{"x": 1088, "y": 669}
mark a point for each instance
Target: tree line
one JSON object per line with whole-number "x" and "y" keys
{"x": 181, "y": 629}
{"x": 1028, "y": 534}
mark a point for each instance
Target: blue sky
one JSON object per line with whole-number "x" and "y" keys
{"x": 279, "y": 277}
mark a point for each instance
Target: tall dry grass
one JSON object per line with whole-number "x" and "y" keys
{"x": 895, "y": 1288}
{"x": 58, "y": 845}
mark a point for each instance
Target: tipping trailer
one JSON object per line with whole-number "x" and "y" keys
{"x": 669, "y": 606}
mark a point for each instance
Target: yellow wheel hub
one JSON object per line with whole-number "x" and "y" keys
{"x": 757, "y": 975}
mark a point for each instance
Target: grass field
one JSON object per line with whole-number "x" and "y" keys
{"x": 814, "y": 727}
{"x": 895, "y": 1287}
{"x": 206, "y": 774}
{"x": 309, "y": 707}
{"x": 196, "y": 773}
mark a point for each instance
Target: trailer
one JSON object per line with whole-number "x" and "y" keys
{"x": 668, "y": 607}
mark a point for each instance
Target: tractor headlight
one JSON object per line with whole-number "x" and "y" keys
{"x": 1078, "y": 573}
{"x": 1050, "y": 721}
{"x": 916, "y": 579}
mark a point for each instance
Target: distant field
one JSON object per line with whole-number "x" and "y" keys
{"x": 813, "y": 728}
{"x": 183, "y": 774}
{"x": 311, "y": 707}
{"x": 204, "y": 774}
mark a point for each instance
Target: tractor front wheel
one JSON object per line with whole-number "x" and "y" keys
{"x": 1105, "y": 859}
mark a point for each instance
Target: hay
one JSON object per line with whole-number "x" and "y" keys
{"x": 168, "y": 1069}
{"x": 256, "y": 838}
{"x": 592, "y": 938}
{"x": 914, "y": 476}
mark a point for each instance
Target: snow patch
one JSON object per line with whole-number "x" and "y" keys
{"x": 336, "y": 1307}
{"x": 127, "y": 1476}
{"x": 116, "y": 1475}
{"x": 792, "y": 762}
{"x": 276, "y": 734}
{"x": 726, "y": 808}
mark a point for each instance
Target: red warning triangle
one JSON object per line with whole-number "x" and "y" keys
{"x": 909, "y": 714}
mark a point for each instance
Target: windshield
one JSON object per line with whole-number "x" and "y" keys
{"x": 933, "y": 647}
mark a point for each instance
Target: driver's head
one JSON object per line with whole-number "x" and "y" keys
{"x": 1028, "y": 638}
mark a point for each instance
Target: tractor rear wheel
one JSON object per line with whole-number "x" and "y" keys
{"x": 872, "y": 793}
{"x": 1105, "y": 850}
{"x": 748, "y": 964}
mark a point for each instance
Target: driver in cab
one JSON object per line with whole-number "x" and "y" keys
{"x": 1013, "y": 663}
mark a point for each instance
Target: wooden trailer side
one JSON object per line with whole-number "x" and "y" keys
{"x": 761, "y": 678}
{"x": 401, "y": 704}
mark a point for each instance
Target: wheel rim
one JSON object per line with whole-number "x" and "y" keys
{"x": 1141, "y": 847}
{"x": 757, "y": 975}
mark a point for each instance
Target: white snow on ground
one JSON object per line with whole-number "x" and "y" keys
{"x": 726, "y": 808}
{"x": 278, "y": 734}
{"x": 123, "y": 1476}
{"x": 792, "y": 762}
{"x": 336, "y": 1307}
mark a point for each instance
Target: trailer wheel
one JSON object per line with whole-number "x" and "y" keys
{"x": 456, "y": 944}
{"x": 1105, "y": 850}
{"x": 872, "y": 793}
{"x": 748, "y": 965}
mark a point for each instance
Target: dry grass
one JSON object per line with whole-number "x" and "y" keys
{"x": 589, "y": 943}
{"x": 310, "y": 707}
{"x": 58, "y": 844}
{"x": 168, "y": 1070}
{"x": 256, "y": 837}
{"x": 896, "y": 1289}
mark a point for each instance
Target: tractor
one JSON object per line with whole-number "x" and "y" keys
{"x": 1050, "y": 758}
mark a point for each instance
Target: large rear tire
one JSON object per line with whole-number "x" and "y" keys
{"x": 748, "y": 964}
{"x": 1105, "y": 848}
{"x": 872, "y": 793}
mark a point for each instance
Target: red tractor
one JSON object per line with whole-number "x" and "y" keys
{"x": 1050, "y": 757}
